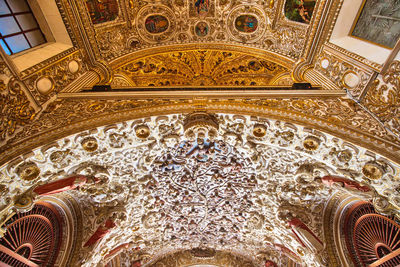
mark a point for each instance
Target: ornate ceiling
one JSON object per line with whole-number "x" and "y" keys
{"x": 201, "y": 68}
{"x": 226, "y": 182}
{"x": 216, "y": 179}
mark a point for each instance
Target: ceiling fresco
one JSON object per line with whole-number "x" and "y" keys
{"x": 144, "y": 24}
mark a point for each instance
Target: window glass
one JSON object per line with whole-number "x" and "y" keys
{"x": 27, "y": 21}
{"x": 35, "y": 38}
{"x": 8, "y": 25}
{"x": 18, "y": 27}
{"x": 3, "y": 8}
{"x": 17, "y": 43}
{"x": 5, "y": 47}
{"x": 18, "y": 5}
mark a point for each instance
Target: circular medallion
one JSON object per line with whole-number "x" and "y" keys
{"x": 44, "y": 85}
{"x": 73, "y": 66}
{"x": 259, "y": 130}
{"x": 350, "y": 79}
{"x": 142, "y": 131}
{"x": 90, "y": 144}
{"x": 311, "y": 143}
{"x": 28, "y": 171}
{"x": 344, "y": 156}
{"x": 247, "y": 24}
{"x": 372, "y": 171}
{"x": 201, "y": 29}
{"x": 325, "y": 63}
{"x": 156, "y": 23}
{"x": 23, "y": 203}
{"x": 57, "y": 156}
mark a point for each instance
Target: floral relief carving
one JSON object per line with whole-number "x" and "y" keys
{"x": 201, "y": 68}
{"x": 15, "y": 108}
{"x": 342, "y": 113}
{"x": 287, "y": 39}
{"x": 225, "y": 180}
{"x": 383, "y": 98}
{"x": 59, "y": 74}
{"x": 338, "y": 70}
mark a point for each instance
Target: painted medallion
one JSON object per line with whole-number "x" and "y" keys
{"x": 156, "y": 24}
{"x": 246, "y": 23}
{"x": 201, "y": 29}
{"x": 299, "y": 10}
{"x": 102, "y": 10}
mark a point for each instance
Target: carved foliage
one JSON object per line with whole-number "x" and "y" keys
{"x": 383, "y": 98}
{"x": 202, "y": 67}
{"x": 59, "y": 74}
{"x": 154, "y": 173}
{"x": 15, "y": 108}
{"x": 287, "y": 39}
{"x": 337, "y": 70}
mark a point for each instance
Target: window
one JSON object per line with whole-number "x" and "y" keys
{"x": 19, "y": 29}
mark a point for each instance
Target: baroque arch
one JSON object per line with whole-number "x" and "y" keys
{"x": 219, "y": 181}
{"x": 274, "y": 158}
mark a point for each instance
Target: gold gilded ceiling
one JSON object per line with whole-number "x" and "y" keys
{"x": 142, "y": 24}
{"x": 201, "y": 68}
{"x": 210, "y": 179}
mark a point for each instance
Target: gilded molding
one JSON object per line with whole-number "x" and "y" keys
{"x": 284, "y": 61}
{"x": 16, "y": 110}
{"x": 323, "y": 17}
{"x": 337, "y": 69}
{"x": 57, "y": 72}
{"x": 201, "y": 68}
{"x": 111, "y": 39}
{"x": 340, "y": 117}
{"x": 347, "y": 55}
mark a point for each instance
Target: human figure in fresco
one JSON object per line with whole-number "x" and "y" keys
{"x": 101, "y": 231}
{"x": 298, "y": 10}
{"x": 201, "y": 29}
{"x": 305, "y": 236}
{"x": 63, "y": 185}
{"x": 250, "y": 24}
{"x": 202, "y": 6}
{"x": 102, "y": 10}
{"x": 343, "y": 182}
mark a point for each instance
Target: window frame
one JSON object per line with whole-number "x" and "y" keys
{"x": 21, "y": 31}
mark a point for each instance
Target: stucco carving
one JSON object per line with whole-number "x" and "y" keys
{"x": 161, "y": 178}
{"x": 383, "y": 98}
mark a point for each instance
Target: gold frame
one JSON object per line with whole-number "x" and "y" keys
{"x": 355, "y": 23}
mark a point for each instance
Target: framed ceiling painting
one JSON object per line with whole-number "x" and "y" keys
{"x": 102, "y": 10}
{"x": 378, "y": 22}
{"x": 299, "y": 10}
